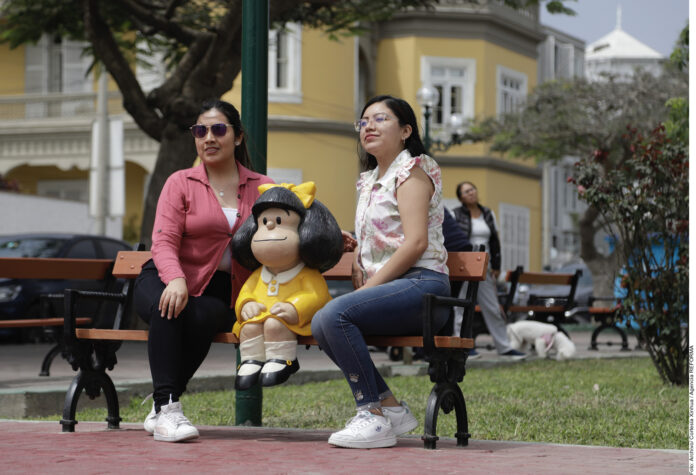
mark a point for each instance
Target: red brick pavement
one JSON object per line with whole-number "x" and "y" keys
{"x": 40, "y": 447}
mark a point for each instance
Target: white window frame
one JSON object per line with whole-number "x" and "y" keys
{"x": 47, "y": 62}
{"x": 292, "y": 93}
{"x": 467, "y": 83}
{"x": 514, "y": 236}
{"x": 519, "y": 96}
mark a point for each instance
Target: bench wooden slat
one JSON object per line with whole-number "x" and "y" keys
{"x": 342, "y": 270}
{"x": 141, "y": 335}
{"x": 53, "y": 268}
{"x": 546, "y": 278}
{"x": 41, "y": 322}
{"x": 462, "y": 266}
{"x": 129, "y": 263}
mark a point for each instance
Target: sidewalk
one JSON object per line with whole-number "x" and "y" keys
{"x": 41, "y": 447}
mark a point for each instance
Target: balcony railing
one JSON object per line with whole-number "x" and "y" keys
{"x": 55, "y": 105}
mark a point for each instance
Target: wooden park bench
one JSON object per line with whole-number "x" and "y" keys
{"x": 607, "y": 316}
{"x": 81, "y": 270}
{"x": 91, "y": 351}
{"x": 548, "y": 309}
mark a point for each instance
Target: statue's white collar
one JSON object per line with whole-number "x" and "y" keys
{"x": 281, "y": 277}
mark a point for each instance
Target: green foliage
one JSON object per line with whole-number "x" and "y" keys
{"x": 680, "y": 56}
{"x": 645, "y": 202}
{"x": 607, "y": 402}
{"x": 575, "y": 117}
{"x": 552, "y": 6}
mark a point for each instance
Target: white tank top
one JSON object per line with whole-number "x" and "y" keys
{"x": 225, "y": 263}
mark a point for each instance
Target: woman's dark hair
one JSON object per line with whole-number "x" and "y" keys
{"x": 241, "y": 154}
{"x": 321, "y": 242}
{"x": 404, "y": 113}
{"x": 459, "y": 193}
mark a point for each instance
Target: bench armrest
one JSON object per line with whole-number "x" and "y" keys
{"x": 432, "y": 302}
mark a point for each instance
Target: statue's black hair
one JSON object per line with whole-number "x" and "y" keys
{"x": 321, "y": 242}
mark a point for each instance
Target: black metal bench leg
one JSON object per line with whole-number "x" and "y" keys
{"x": 595, "y": 334}
{"x": 604, "y": 326}
{"x": 92, "y": 382}
{"x": 445, "y": 396}
{"x": 113, "y": 417}
{"x": 48, "y": 359}
{"x": 71, "y": 397}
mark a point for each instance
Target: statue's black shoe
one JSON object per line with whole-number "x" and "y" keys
{"x": 282, "y": 375}
{"x": 242, "y": 383}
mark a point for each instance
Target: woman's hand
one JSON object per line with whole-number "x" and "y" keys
{"x": 174, "y": 298}
{"x": 251, "y": 309}
{"x": 495, "y": 273}
{"x": 349, "y": 241}
{"x": 286, "y": 311}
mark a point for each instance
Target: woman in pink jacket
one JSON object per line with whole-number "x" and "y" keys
{"x": 187, "y": 291}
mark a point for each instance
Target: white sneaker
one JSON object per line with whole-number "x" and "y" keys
{"x": 365, "y": 431}
{"x": 172, "y": 425}
{"x": 151, "y": 421}
{"x": 402, "y": 421}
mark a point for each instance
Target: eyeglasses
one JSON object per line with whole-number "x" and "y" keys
{"x": 219, "y": 130}
{"x": 378, "y": 118}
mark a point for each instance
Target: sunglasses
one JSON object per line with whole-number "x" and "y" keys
{"x": 219, "y": 130}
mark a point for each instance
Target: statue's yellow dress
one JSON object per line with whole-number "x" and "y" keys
{"x": 301, "y": 286}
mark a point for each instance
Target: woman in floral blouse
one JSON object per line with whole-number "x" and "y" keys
{"x": 400, "y": 256}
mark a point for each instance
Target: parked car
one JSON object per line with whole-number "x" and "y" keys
{"x": 583, "y": 292}
{"x": 20, "y": 298}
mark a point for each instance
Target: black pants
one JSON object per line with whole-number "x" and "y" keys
{"x": 177, "y": 347}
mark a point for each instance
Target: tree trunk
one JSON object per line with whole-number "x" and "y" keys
{"x": 176, "y": 151}
{"x": 603, "y": 268}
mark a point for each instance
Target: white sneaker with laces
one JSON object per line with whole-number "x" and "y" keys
{"x": 172, "y": 425}
{"x": 151, "y": 421}
{"x": 402, "y": 421}
{"x": 365, "y": 431}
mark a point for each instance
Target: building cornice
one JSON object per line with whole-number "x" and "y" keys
{"x": 493, "y": 25}
{"x": 463, "y": 161}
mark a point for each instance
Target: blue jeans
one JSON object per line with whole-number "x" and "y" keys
{"x": 394, "y": 308}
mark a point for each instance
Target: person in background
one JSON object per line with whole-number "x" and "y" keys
{"x": 478, "y": 223}
{"x": 400, "y": 256}
{"x": 187, "y": 291}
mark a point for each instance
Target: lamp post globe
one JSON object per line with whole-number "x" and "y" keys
{"x": 427, "y": 96}
{"x": 456, "y": 124}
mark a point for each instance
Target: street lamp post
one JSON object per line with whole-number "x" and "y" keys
{"x": 428, "y": 97}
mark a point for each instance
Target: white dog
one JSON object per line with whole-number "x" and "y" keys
{"x": 545, "y": 337}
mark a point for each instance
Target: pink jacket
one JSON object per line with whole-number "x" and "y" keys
{"x": 191, "y": 231}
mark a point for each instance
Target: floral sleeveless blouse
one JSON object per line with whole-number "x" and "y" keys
{"x": 377, "y": 221}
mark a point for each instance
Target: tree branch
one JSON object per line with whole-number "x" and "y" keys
{"x": 161, "y": 24}
{"x": 107, "y": 51}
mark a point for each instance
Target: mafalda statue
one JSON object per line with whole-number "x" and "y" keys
{"x": 289, "y": 239}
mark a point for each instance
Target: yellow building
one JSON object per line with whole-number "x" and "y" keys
{"x": 482, "y": 59}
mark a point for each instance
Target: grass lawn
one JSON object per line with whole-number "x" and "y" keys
{"x": 614, "y": 402}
